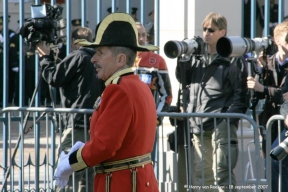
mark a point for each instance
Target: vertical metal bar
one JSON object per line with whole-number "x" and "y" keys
{"x": 253, "y": 18}
{"x": 47, "y": 151}
{"x": 36, "y": 127}
{"x": 21, "y": 159}
{"x": 37, "y": 153}
{"x": 99, "y": 12}
{"x": 5, "y": 77}
{"x": 128, "y": 5}
{"x": 267, "y": 17}
{"x": 186, "y": 19}
{"x": 113, "y": 6}
{"x": 156, "y": 22}
{"x": 187, "y": 139}
{"x": 143, "y": 10}
{"x": 10, "y": 152}
{"x": 5, "y": 53}
{"x": 86, "y": 139}
{"x": 53, "y": 150}
{"x": 21, "y": 57}
{"x": 5, "y": 148}
{"x": 242, "y": 21}
{"x": 280, "y": 11}
{"x": 73, "y": 141}
{"x": 83, "y": 13}
{"x": 68, "y": 26}
{"x": 37, "y": 95}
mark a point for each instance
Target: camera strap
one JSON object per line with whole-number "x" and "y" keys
{"x": 210, "y": 70}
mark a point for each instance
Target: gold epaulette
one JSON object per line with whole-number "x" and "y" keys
{"x": 116, "y": 80}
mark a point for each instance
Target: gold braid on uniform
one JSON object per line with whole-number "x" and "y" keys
{"x": 134, "y": 179}
{"x": 115, "y": 78}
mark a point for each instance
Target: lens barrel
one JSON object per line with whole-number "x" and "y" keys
{"x": 234, "y": 46}
{"x": 186, "y": 47}
{"x": 174, "y": 49}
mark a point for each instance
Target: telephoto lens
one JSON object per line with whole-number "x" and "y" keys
{"x": 174, "y": 49}
{"x": 187, "y": 47}
{"x": 235, "y": 46}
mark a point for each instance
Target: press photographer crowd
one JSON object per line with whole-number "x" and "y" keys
{"x": 217, "y": 73}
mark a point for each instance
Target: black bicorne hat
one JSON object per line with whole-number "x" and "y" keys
{"x": 117, "y": 29}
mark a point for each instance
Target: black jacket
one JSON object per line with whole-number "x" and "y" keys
{"x": 217, "y": 88}
{"x": 273, "y": 78}
{"x": 76, "y": 77}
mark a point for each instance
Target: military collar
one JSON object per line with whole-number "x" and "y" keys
{"x": 118, "y": 74}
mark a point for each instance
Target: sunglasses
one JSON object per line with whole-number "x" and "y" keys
{"x": 210, "y": 30}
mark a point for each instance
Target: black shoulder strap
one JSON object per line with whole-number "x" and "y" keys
{"x": 209, "y": 72}
{"x": 212, "y": 68}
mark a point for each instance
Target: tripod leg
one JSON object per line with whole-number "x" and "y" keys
{"x": 26, "y": 130}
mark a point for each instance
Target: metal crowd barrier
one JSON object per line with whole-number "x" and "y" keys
{"x": 28, "y": 163}
{"x": 248, "y": 154}
{"x": 270, "y": 122}
{"x": 33, "y": 166}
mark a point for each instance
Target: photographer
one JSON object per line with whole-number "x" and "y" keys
{"x": 275, "y": 95}
{"x": 76, "y": 77}
{"x": 217, "y": 85}
{"x": 274, "y": 70}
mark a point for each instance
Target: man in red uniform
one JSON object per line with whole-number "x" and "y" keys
{"x": 122, "y": 127}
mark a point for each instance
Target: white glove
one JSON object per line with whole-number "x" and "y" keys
{"x": 76, "y": 146}
{"x": 64, "y": 169}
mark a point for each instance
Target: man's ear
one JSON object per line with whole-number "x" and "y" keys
{"x": 224, "y": 32}
{"x": 121, "y": 60}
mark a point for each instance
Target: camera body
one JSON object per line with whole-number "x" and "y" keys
{"x": 43, "y": 25}
{"x": 187, "y": 47}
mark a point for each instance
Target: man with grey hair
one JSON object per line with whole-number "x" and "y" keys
{"x": 122, "y": 127}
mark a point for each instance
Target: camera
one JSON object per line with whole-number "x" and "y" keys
{"x": 187, "y": 47}
{"x": 235, "y": 46}
{"x": 279, "y": 152}
{"x": 43, "y": 25}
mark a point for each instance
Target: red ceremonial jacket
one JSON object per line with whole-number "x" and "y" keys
{"x": 123, "y": 126}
